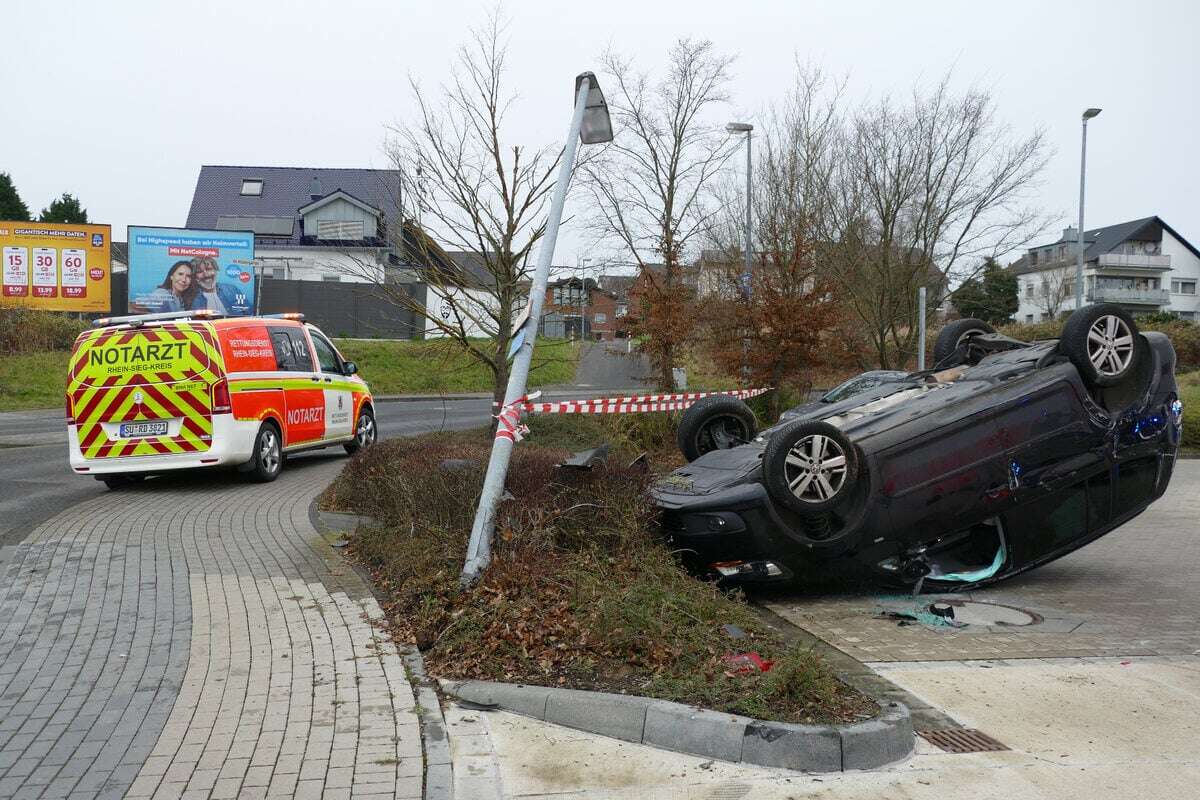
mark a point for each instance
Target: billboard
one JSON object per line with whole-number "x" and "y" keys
{"x": 55, "y": 267}
{"x": 175, "y": 269}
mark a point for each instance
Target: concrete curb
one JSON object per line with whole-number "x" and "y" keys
{"x": 873, "y": 743}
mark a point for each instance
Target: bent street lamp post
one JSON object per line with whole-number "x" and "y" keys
{"x": 1091, "y": 112}
{"x": 591, "y": 124}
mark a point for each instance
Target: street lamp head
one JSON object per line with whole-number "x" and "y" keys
{"x": 739, "y": 127}
{"x": 597, "y": 126}
{"x": 1091, "y": 112}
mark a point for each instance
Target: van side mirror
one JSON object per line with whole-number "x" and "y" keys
{"x": 349, "y": 367}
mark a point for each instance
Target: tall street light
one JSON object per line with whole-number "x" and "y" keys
{"x": 591, "y": 124}
{"x": 1091, "y": 112}
{"x": 746, "y": 128}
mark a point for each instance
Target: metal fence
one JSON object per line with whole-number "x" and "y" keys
{"x": 345, "y": 310}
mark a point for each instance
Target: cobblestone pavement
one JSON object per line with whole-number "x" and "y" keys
{"x": 1134, "y": 592}
{"x": 196, "y": 637}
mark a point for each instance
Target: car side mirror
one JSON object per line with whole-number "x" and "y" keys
{"x": 349, "y": 367}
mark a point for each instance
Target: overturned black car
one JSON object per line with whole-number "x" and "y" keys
{"x": 1005, "y": 456}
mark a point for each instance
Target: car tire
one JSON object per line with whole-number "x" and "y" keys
{"x": 712, "y": 423}
{"x": 945, "y": 348}
{"x": 810, "y": 467}
{"x": 365, "y": 432}
{"x": 1101, "y": 341}
{"x": 117, "y": 482}
{"x": 264, "y": 466}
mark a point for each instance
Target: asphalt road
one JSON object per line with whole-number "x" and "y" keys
{"x": 36, "y": 481}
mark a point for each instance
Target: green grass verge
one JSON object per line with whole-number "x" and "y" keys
{"x": 33, "y": 380}
{"x": 1189, "y": 393}
{"x": 437, "y": 366}
{"x": 38, "y": 380}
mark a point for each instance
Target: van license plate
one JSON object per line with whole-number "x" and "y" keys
{"x": 130, "y": 430}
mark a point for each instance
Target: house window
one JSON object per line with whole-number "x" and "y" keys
{"x": 601, "y": 318}
{"x": 1033, "y": 258}
{"x": 1186, "y": 314}
{"x": 567, "y": 296}
{"x": 251, "y": 187}
{"x": 331, "y": 278}
{"x": 340, "y": 229}
{"x": 1029, "y": 289}
{"x": 622, "y": 310}
{"x": 1183, "y": 287}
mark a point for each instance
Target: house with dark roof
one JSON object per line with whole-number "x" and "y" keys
{"x": 1143, "y": 265}
{"x": 309, "y": 223}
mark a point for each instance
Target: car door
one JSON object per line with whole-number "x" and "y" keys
{"x": 339, "y": 400}
{"x": 304, "y": 399}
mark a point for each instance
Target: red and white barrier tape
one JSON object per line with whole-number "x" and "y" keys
{"x": 508, "y": 425}
{"x": 635, "y": 405}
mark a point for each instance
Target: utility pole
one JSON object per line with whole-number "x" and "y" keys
{"x": 590, "y": 124}
{"x": 1091, "y": 112}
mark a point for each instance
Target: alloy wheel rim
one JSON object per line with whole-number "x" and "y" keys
{"x": 1110, "y": 345}
{"x": 815, "y": 468}
{"x": 967, "y": 335}
{"x": 269, "y": 452}
{"x": 366, "y": 431}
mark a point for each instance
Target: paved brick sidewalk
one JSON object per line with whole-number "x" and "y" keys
{"x": 1133, "y": 592}
{"x": 197, "y": 638}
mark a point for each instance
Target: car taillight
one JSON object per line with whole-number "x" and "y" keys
{"x": 70, "y": 411}
{"x": 220, "y": 397}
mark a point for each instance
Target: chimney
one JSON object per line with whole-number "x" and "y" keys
{"x": 1070, "y": 234}
{"x": 314, "y": 189}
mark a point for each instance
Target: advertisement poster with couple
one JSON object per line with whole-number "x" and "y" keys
{"x": 174, "y": 269}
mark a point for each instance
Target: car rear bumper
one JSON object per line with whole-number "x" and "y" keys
{"x": 232, "y": 443}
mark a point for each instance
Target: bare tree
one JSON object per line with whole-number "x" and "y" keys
{"x": 1052, "y": 289}
{"x": 787, "y": 319}
{"x": 651, "y": 185}
{"x": 471, "y": 190}
{"x": 924, "y": 189}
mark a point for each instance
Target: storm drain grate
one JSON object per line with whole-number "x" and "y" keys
{"x": 962, "y": 740}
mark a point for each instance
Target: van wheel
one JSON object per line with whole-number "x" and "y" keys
{"x": 116, "y": 482}
{"x": 365, "y": 432}
{"x": 267, "y": 460}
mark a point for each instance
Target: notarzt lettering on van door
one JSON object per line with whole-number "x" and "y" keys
{"x": 160, "y": 351}
{"x": 301, "y": 416}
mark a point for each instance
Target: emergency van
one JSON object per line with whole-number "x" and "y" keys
{"x": 158, "y": 392}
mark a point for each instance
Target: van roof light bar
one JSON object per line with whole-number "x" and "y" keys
{"x": 296, "y": 315}
{"x": 141, "y": 319}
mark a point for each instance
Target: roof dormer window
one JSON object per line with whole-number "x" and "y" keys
{"x": 252, "y": 187}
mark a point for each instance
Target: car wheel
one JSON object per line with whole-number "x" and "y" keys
{"x": 1101, "y": 341}
{"x": 117, "y": 482}
{"x": 952, "y": 337}
{"x": 712, "y": 423}
{"x": 810, "y": 467}
{"x": 365, "y": 432}
{"x": 267, "y": 460}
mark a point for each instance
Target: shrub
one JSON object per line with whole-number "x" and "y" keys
{"x": 25, "y": 330}
{"x": 1184, "y": 335}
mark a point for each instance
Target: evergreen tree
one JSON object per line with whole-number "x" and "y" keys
{"x": 11, "y": 207}
{"x": 64, "y": 209}
{"x": 992, "y": 297}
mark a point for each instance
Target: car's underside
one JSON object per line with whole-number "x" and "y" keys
{"x": 1005, "y": 456}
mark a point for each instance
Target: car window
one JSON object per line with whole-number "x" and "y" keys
{"x": 281, "y": 343}
{"x": 326, "y": 355}
{"x": 855, "y": 386}
{"x": 291, "y": 350}
{"x": 300, "y": 350}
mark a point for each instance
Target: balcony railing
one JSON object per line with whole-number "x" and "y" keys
{"x": 1138, "y": 261}
{"x": 1152, "y": 297}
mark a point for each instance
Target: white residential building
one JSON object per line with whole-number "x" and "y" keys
{"x": 1143, "y": 265}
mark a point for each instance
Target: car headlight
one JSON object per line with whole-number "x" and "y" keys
{"x": 1177, "y": 411}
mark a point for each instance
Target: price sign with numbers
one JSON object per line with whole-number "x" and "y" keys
{"x": 16, "y": 272}
{"x": 45, "y": 272}
{"x": 74, "y": 272}
{"x": 56, "y": 267}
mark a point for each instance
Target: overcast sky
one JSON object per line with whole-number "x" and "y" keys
{"x": 121, "y": 102}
